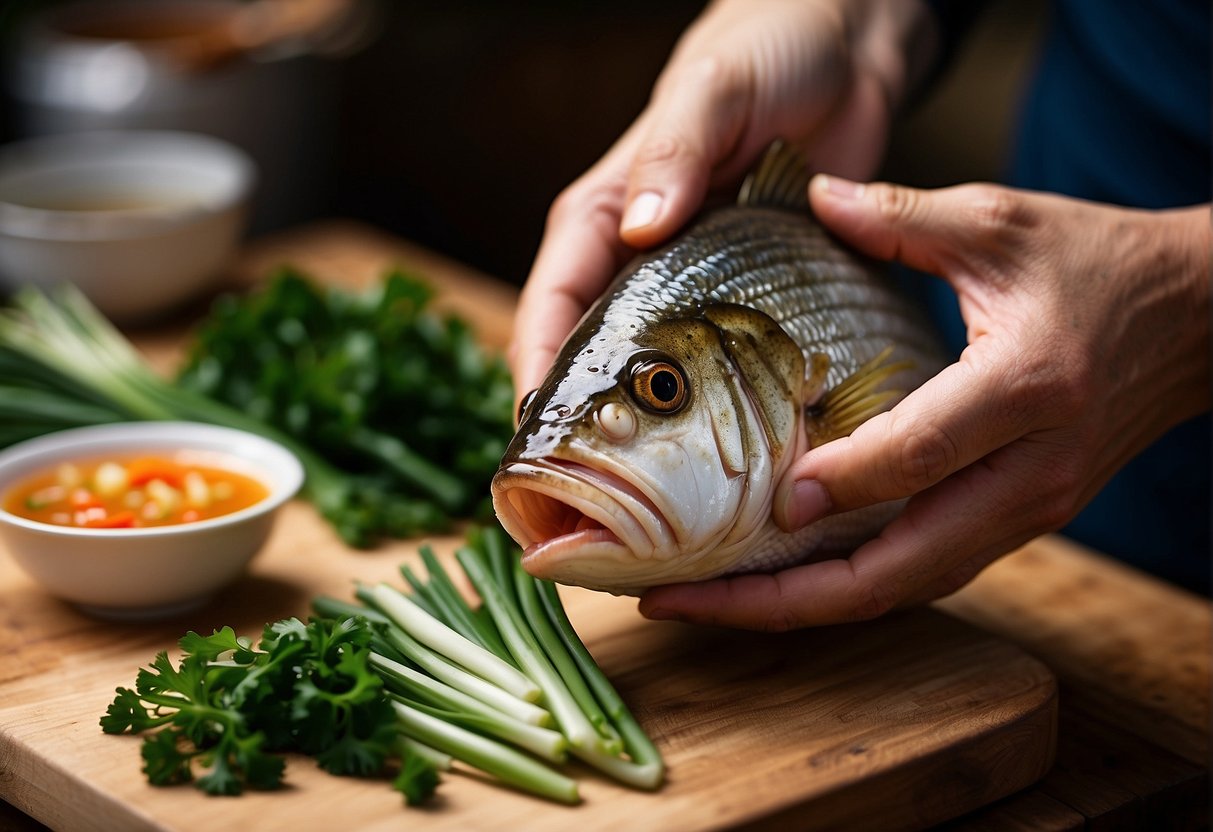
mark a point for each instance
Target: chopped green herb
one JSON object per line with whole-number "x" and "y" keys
{"x": 374, "y": 382}
{"x": 227, "y": 706}
{"x": 398, "y": 417}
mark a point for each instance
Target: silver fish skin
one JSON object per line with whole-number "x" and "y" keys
{"x": 759, "y": 327}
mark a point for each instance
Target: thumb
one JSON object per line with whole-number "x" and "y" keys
{"x": 689, "y": 132}
{"x": 929, "y": 230}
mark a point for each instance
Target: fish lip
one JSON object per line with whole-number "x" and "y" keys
{"x": 563, "y": 559}
{"x": 632, "y": 526}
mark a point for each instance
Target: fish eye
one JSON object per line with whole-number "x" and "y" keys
{"x": 659, "y": 386}
{"x": 526, "y": 403}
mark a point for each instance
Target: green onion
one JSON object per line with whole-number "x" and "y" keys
{"x": 469, "y": 683}
{"x": 438, "y": 636}
{"x": 433, "y": 756}
{"x": 510, "y": 766}
{"x": 637, "y": 743}
{"x": 448, "y": 677}
{"x": 530, "y": 656}
{"x": 545, "y": 633}
{"x": 336, "y": 608}
{"x": 406, "y": 681}
{"x": 480, "y": 630}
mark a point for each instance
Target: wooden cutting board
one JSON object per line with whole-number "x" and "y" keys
{"x": 893, "y": 724}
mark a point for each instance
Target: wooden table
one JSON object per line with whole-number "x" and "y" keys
{"x": 1132, "y": 654}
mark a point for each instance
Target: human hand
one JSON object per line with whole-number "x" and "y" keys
{"x": 822, "y": 74}
{"x": 1088, "y": 331}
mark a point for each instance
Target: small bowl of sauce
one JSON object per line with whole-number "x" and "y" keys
{"x": 141, "y": 520}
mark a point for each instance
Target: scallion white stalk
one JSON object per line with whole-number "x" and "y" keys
{"x": 638, "y": 744}
{"x": 500, "y": 760}
{"x": 549, "y": 744}
{"x": 521, "y": 642}
{"x": 436, "y": 635}
{"x": 641, "y": 775}
{"x": 433, "y": 756}
{"x": 469, "y": 683}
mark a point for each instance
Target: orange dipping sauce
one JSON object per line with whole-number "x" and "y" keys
{"x": 132, "y": 492}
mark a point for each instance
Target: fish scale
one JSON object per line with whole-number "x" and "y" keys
{"x": 775, "y": 261}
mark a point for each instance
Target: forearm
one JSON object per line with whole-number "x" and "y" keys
{"x": 897, "y": 40}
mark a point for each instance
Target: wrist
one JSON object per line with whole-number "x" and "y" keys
{"x": 896, "y": 41}
{"x": 1193, "y": 243}
{"x": 1161, "y": 320}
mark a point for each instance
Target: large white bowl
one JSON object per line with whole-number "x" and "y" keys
{"x": 141, "y": 221}
{"x": 145, "y": 572}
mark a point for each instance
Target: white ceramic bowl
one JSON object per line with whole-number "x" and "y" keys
{"x": 154, "y": 571}
{"x": 140, "y": 221}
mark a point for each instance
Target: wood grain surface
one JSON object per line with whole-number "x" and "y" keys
{"x": 895, "y": 724}
{"x": 907, "y": 721}
{"x": 1129, "y": 647}
{"x": 1134, "y": 657}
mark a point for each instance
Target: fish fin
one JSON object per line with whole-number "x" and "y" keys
{"x": 817, "y": 369}
{"x": 854, "y": 401}
{"x": 769, "y": 361}
{"x": 781, "y": 180}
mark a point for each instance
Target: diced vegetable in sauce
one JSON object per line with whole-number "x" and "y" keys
{"x": 132, "y": 493}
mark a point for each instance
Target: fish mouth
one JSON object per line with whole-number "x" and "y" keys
{"x": 577, "y": 523}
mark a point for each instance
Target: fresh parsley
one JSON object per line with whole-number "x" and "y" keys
{"x": 228, "y": 707}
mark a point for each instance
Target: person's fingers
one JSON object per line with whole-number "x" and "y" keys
{"x": 948, "y": 232}
{"x": 691, "y": 127}
{"x": 580, "y": 253}
{"x": 822, "y": 593}
{"x": 943, "y": 538}
{"x": 959, "y": 527}
{"x": 972, "y": 407}
{"x": 640, "y": 193}
{"x": 969, "y": 409}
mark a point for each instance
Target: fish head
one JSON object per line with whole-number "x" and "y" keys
{"x": 651, "y": 452}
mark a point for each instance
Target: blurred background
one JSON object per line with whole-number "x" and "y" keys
{"x": 453, "y": 124}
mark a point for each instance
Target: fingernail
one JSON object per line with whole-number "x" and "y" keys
{"x": 805, "y": 502}
{"x": 642, "y": 211}
{"x": 660, "y": 614}
{"x": 842, "y": 188}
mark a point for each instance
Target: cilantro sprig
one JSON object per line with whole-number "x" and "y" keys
{"x": 227, "y": 709}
